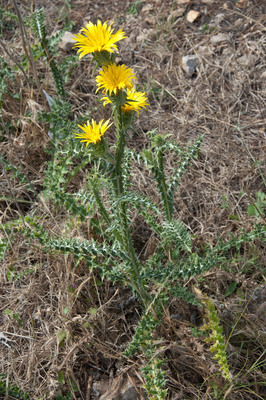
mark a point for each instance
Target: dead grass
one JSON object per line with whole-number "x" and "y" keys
{"x": 83, "y": 335}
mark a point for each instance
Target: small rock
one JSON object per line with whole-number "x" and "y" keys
{"x": 192, "y": 15}
{"x": 218, "y": 39}
{"x": 67, "y": 41}
{"x": 189, "y": 64}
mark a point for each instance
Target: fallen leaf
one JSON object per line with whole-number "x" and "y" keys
{"x": 192, "y": 15}
{"x": 242, "y": 3}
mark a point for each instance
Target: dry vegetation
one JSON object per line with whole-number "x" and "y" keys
{"x": 67, "y": 329}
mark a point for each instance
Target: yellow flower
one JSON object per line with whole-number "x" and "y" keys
{"x": 92, "y": 132}
{"x": 97, "y": 37}
{"x": 114, "y": 77}
{"x": 135, "y": 100}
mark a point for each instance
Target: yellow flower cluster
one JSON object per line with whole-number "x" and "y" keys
{"x": 115, "y": 77}
{"x": 111, "y": 79}
{"x": 97, "y": 37}
{"x": 92, "y": 132}
{"x": 134, "y": 102}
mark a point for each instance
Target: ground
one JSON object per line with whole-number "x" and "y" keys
{"x": 71, "y": 345}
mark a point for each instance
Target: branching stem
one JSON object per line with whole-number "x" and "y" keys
{"x": 122, "y": 212}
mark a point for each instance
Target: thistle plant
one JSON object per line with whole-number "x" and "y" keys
{"x": 143, "y": 341}
{"x": 108, "y": 197}
{"x": 115, "y": 82}
{"x": 216, "y": 337}
{"x": 115, "y": 256}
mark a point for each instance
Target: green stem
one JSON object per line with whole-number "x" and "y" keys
{"x": 158, "y": 166}
{"x": 163, "y": 186}
{"x": 104, "y": 212}
{"x": 101, "y": 207}
{"x": 120, "y": 147}
{"x": 167, "y": 207}
{"x": 136, "y": 281}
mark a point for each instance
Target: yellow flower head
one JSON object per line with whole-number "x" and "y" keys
{"x": 114, "y": 77}
{"x": 135, "y": 100}
{"x": 97, "y": 37}
{"x": 92, "y": 132}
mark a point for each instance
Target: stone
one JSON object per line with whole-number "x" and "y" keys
{"x": 218, "y": 39}
{"x": 189, "y": 64}
{"x": 192, "y": 15}
{"x": 67, "y": 41}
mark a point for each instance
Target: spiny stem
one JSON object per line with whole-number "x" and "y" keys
{"x": 161, "y": 178}
{"x": 121, "y": 142}
{"x": 119, "y": 189}
{"x": 132, "y": 255}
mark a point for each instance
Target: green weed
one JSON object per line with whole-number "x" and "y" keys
{"x": 135, "y": 7}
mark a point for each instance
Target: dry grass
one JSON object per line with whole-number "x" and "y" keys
{"x": 83, "y": 335}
